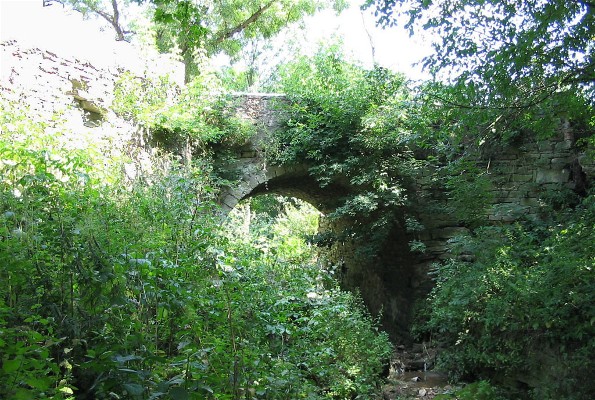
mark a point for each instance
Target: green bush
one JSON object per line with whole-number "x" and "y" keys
{"x": 351, "y": 126}
{"x": 524, "y": 306}
{"x": 481, "y": 390}
{"x": 119, "y": 289}
{"x": 198, "y": 112}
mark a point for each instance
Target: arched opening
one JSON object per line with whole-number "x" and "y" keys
{"x": 312, "y": 333}
{"x": 305, "y": 188}
{"x": 281, "y": 227}
{"x": 389, "y": 282}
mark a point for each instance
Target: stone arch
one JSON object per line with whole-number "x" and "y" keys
{"x": 253, "y": 177}
{"x": 389, "y": 285}
{"x": 291, "y": 181}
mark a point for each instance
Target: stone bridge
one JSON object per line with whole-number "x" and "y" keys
{"x": 521, "y": 175}
{"x": 256, "y": 175}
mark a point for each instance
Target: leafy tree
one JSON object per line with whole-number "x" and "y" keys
{"x": 534, "y": 47}
{"x": 510, "y": 65}
{"x": 225, "y": 26}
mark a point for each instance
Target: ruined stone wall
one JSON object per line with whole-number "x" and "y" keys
{"x": 73, "y": 98}
{"x": 524, "y": 180}
{"x": 48, "y": 83}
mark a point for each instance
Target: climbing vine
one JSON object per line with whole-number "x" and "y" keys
{"x": 350, "y": 125}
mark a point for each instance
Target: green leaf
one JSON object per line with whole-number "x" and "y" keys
{"x": 134, "y": 389}
{"x": 124, "y": 359}
{"x": 41, "y": 383}
{"x": 66, "y": 390}
{"x": 10, "y": 366}
{"x": 179, "y": 393}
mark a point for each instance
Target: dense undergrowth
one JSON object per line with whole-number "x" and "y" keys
{"x": 523, "y": 308}
{"x": 521, "y": 313}
{"x": 119, "y": 289}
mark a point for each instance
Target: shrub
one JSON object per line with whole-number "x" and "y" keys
{"x": 524, "y": 307}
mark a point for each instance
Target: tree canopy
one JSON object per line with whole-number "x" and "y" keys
{"x": 519, "y": 52}
{"x": 211, "y": 27}
{"x": 226, "y": 26}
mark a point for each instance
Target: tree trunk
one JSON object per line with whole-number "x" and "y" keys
{"x": 188, "y": 61}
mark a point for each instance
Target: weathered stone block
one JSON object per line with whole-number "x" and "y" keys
{"x": 507, "y": 212}
{"x": 241, "y": 191}
{"x": 230, "y": 201}
{"x": 532, "y": 202}
{"x": 562, "y": 146}
{"x": 256, "y": 179}
{"x": 510, "y": 186}
{"x": 248, "y": 154}
{"x": 587, "y": 163}
{"x": 523, "y": 171}
{"x": 432, "y": 221}
{"x": 504, "y": 169}
{"x": 522, "y": 177}
{"x": 562, "y": 161}
{"x": 552, "y": 176}
{"x": 507, "y": 156}
{"x": 544, "y": 161}
{"x": 545, "y": 145}
{"x": 275, "y": 171}
{"x": 511, "y": 199}
{"x": 424, "y": 235}
{"x": 436, "y": 246}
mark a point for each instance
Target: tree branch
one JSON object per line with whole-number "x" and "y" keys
{"x": 540, "y": 99}
{"x": 240, "y": 27}
{"x": 85, "y": 8}
{"x": 112, "y": 19}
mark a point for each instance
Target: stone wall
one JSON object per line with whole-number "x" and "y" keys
{"x": 525, "y": 180}
{"x": 73, "y": 98}
{"x": 49, "y": 83}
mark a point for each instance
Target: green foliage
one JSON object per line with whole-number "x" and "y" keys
{"x": 526, "y": 49}
{"x": 199, "y": 112}
{"x": 138, "y": 98}
{"x": 469, "y": 192}
{"x": 236, "y": 80}
{"x": 525, "y": 301}
{"x": 326, "y": 343}
{"x": 350, "y": 126}
{"x": 512, "y": 67}
{"x": 120, "y": 289}
{"x": 28, "y": 370}
{"x": 225, "y": 26}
